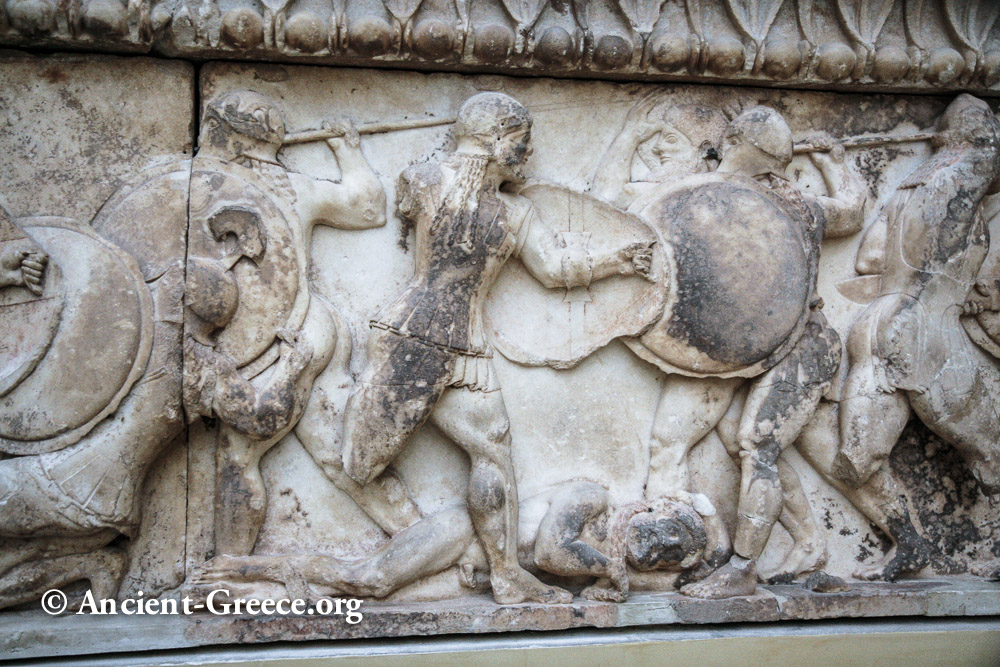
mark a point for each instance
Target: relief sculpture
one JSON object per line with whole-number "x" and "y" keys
{"x": 491, "y": 350}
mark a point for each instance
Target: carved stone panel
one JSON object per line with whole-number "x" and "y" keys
{"x": 492, "y": 353}
{"x": 94, "y": 225}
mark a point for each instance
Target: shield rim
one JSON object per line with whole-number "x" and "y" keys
{"x": 143, "y": 350}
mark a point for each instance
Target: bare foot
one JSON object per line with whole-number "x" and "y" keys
{"x": 604, "y": 591}
{"x": 518, "y": 585}
{"x": 902, "y": 558}
{"x": 473, "y": 578}
{"x": 989, "y": 571}
{"x": 736, "y": 578}
{"x": 804, "y": 557}
{"x": 222, "y": 568}
{"x": 613, "y": 588}
{"x": 107, "y": 573}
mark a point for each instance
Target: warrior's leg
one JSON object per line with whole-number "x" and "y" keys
{"x": 808, "y": 550}
{"x": 321, "y": 431}
{"x": 240, "y": 495}
{"x": 880, "y": 499}
{"x": 559, "y": 549}
{"x": 104, "y": 569}
{"x": 241, "y": 498}
{"x": 778, "y": 406}
{"x": 872, "y": 414}
{"x": 429, "y": 546}
{"x": 688, "y": 410}
{"x": 477, "y": 422}
{"x": 962, "y": 406}
{"x": 15, "y": 551}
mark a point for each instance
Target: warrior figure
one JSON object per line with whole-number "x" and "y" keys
{"x": 427, "y": 354}
{"x": 243, "y": 132}
{"x": 908, "y": 350}
{"x": 672, "y": 140}
{"x": 676, "y": 141}
{"x": 776, "y": 405}
{"x": 570, "y": 530}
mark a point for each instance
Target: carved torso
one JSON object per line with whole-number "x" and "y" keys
{"x": 456, "y": 262}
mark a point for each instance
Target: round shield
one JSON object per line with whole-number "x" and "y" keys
{"x": 237, "y": 217}
{"x": 742, "y": 278}
{"x": 536, "y": 326}
{"x": 148, "y": 218}
{"x": 29, "y": 324}
{"x": 99, "y": 346}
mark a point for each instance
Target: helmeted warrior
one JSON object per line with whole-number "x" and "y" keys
{"x": 427, "y": 354}
{"x": 783, "y": 397}
{"x": 908, "y": 350}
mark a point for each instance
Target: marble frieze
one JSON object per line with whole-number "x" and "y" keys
{"x": 496, "y": 353}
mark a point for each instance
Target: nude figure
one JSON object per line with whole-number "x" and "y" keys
{"x": 570, "y": 530}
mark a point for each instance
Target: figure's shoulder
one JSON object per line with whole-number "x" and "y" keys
{"x": 519, "y": 210}
{"x": 421, "y": 175}
{"x": 417, "y": 188}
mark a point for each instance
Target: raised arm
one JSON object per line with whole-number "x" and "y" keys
{"x": 844, "y": 207}
{"x": 356, "y": 202}
{"x": 611, "y": 180}
{"x": 555, "y": 262}
{"x": 871, "y": 252}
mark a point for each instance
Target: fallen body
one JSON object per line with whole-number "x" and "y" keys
{"x": 568, "y": 530}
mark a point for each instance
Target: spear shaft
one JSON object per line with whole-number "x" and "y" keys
{"x": 309, "y": 136}
{"x": 866, "y": 141}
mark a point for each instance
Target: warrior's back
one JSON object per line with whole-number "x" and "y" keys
{"x": 457, "y": 260}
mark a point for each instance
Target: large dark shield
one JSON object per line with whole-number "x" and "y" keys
{"x": 741, "y": 277}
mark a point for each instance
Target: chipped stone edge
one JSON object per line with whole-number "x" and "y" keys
{"x": 32, "y": 634}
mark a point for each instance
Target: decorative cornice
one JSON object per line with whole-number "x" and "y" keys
{"x": 891, "y": 45}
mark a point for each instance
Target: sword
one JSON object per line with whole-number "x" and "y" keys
{"x": 309, "y": 136}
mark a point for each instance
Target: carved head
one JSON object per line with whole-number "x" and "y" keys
{"x": 689, "y": 136}
{"x": 669, "y": 536}
{"x": 241, "y": 123}
{"x": 498, "y": 126}
{"x": 756, "y": 142}
{"x": 968, "y": 122}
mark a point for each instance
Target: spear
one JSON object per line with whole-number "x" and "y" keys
{"x": 864, "y": 142}
{"x": 308, "y": 136}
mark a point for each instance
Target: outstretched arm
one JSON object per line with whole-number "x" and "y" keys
{"x": 556, "y": 262}
{"x": 356, "y": 202}
{"x": 844, "y": 207}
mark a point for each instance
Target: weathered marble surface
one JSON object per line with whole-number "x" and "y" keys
{"x": 29, "y": 634}
{"x": 88, "y": 140}
{"x": 912, "y": 45}
{"x": 238, "y": 367}
{"x": 559, "y": 421}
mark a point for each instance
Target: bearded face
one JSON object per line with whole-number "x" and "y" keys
{"x": 512, "y": 151}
